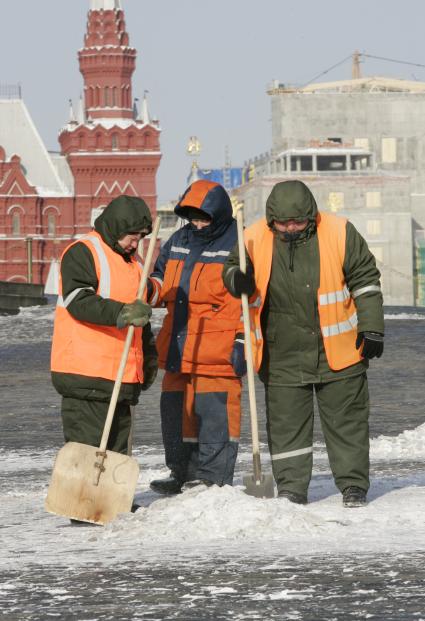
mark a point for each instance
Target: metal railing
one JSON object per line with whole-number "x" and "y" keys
{"x": 10, "y": 91}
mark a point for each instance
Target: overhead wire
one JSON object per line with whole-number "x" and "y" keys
{"x": 362, "y": 54}
{"x": 327, "y": 70}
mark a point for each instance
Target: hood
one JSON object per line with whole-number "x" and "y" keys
{"x": 290, "y": 200}
{"x": 123, "y": 215}
{"x": 210, "y": 198}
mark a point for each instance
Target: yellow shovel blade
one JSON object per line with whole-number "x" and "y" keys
{"x": 73, "y": 494}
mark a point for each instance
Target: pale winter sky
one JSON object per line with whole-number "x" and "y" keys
{"x": 206, "y": 65}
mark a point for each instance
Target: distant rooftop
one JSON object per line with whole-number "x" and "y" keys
{"x": 366, "y": 84}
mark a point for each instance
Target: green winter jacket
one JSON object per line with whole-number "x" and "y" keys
{"x": 123, "y": 215}
{"x": 294, "y": 352}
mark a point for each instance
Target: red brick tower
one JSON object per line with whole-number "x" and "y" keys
{"x": 111, "y": 148}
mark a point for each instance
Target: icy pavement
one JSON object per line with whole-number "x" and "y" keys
{"x": 216, "y": 553}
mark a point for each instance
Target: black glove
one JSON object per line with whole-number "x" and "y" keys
{"x": 150, "y": 357}
{"x": 372, "y": 342}
{"x": 242, "y": 283}
{"x": 136, "y": 314}
{"x": 238, "y": 356}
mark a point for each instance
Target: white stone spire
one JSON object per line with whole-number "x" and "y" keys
{"x": 144, "y": 112}
{"x": 72, "y": 118}
{"x": 80, "y": 112}
{"x": 106, "y": 5}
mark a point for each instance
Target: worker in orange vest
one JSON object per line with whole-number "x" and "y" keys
{"x": 99, "y": 278}
{"x": 317, "y": 319}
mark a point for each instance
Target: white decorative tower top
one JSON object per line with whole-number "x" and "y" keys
{"x": 106, "y": 5}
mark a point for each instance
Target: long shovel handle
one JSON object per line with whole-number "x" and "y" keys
{"x": 128, "y": 340}
{"x": 248, "y": 355}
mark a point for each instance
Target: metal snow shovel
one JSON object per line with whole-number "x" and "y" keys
{"x": 256, "y": 484}
{"x": 93, "y": 484}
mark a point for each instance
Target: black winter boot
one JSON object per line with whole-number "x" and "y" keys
{"x": 298, "y": 499}
{"x": 169, "y": 486}
{"x": 354, "y": 497}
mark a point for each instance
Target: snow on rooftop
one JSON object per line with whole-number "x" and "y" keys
{"x": 19, "y": 135}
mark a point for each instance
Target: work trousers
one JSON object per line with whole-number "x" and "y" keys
{"x": 344, "y": 413}
{"x": 200, "y": 419}
{"x": 83, "y": 421}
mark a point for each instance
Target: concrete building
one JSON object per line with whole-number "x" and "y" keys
{"x": 108, "y": 147}
{"x": 360, "y": 146}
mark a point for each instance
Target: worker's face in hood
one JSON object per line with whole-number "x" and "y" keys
{"x": 125, "y": 215}
{"x": 292, "y": 205}
{"x": 208, "y": 199}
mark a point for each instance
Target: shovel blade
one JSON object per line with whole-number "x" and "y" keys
{"x": 263, "y": 488}
{"x": 73, "y": 494}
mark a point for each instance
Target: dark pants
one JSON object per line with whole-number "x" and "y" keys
{"x": 344, "y": 412}
{"x": 83, "y": 422}
{"x": 200, "y": 418}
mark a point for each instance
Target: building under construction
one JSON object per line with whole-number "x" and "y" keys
{"x": 359, "y": 145}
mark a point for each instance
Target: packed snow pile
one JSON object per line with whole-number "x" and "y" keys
{"x": 410, "y": 444}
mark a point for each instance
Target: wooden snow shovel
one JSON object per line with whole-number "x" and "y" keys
{"x": 93, "y": 484}
{"x": 256, "y": 484}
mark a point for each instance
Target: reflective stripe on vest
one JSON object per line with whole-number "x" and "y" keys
{"x": 342, "y": 326}
{"x": 334, "y": 296}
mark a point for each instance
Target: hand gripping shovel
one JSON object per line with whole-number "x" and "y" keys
{"x": 256, "y": 484}
{"x": 92, "y": 484}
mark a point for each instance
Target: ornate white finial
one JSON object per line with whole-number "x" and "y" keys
{"x": 105, "y": 5}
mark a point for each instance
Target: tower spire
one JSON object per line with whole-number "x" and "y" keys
{"x": 107, "y": 63}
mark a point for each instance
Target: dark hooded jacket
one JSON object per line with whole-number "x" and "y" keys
{"x": 294, "y": 351}
{"x": 203, "y": 318}
{"x": 123, "y": 215}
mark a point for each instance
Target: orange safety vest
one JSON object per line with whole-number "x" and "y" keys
{"x": 95, "y": 350}
{"x": 337, "y": 311}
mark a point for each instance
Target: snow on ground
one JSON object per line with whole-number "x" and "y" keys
{"x": 207, "y": 518}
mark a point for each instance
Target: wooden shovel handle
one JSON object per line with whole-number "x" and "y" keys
{"x": 128, "y": 340}
{"x": 248, "y": 354}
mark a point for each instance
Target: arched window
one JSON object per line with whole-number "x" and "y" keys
{"x": 114, "y": 97}
{"x": 51, "y": 225}
{"x": 107, "y": 96}
{"x": 16, "y": 224}
{"x": 97, "y": 97}
{"x": 115, "y": 142}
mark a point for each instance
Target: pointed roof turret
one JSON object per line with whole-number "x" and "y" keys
{"x": 105, "y": 5}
